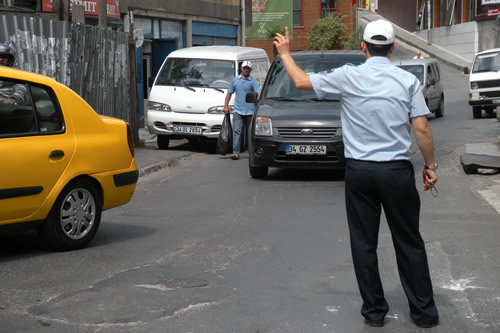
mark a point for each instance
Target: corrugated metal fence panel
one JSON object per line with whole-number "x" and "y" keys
{"x": 91, "y": 61}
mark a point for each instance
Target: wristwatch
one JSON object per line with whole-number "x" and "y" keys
{"x": 432, "y": 168}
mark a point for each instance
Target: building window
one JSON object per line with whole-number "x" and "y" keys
{"x": 297, "y": 12}
{"x": 327, "y": 7}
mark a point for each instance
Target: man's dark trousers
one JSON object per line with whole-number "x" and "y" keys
{"x": 369, "y": 186}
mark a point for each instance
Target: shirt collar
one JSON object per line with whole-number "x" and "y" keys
{"x": 378, "y": 60}
{"x": 241, "y": 77}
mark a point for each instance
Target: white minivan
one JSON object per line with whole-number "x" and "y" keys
{"x": 484, "y": 82}
{"x": 187, "y": 97}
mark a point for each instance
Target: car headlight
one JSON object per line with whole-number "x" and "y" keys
{"x": 159, "y": 106}
{"x": 263, "y": 126}
{"x": 474, "y": 85}
{"x": 220, "y": 109}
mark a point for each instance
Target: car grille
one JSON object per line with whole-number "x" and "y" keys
{"x": 307, "y": 132}
{"x": 490, "y": 94}
{"x": 161, "y": 125}
{"x": 487, "y": 84}
{"x": 331, "y": 156}
{"x": 216, "y": 128}
{"x": 188, "y": 124}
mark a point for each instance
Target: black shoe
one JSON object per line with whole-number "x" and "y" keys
{"x": 430, "y": 324}
{"x": 375, "y": 323}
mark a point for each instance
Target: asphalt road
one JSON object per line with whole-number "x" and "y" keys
{"x": 204, "y": 248}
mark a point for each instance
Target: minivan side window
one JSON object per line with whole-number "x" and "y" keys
{"x": 430, "y": 74}
{"x": 437, "y": 74}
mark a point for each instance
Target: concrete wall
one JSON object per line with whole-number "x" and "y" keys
{"x": 461, "y": 39}
{"x": 489, "y": 36}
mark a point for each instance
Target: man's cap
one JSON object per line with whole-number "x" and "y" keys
{"x": 379, "y": 32}
{"x": 246, "y": 63}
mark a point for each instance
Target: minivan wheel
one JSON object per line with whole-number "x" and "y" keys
{"x": 162, "y": 141}
{"x": 440, "y": 110}
{"x": 258, "y": 172}
{"x": 74, "y": 219}
{"x": 476, "y": 112}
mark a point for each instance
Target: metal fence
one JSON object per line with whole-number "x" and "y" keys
{"x": 93, "y": 62}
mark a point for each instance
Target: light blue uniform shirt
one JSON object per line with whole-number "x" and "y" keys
{"x": 243, "y": 86}
{"x": 377, "y": 101}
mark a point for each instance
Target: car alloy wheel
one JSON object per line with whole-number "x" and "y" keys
{"x": 74, "y": 218}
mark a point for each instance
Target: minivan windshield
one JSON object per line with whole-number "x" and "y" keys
{"x": 196, "y": 73}
{"x": 280, "y": 87}
{"x": 417, "y": 70}
{"x": 488, "y": 62}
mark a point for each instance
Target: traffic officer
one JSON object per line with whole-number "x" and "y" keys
{"x": 380, "y": 105}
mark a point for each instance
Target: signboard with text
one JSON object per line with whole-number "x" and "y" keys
{"x": 91, "y": 7}
{"x": 269, "y": 14}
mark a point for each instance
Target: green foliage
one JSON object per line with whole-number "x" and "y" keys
{"x": 271, "y": 32}
{"x": 354, "y": 41}
{"x": 327, "y": 33}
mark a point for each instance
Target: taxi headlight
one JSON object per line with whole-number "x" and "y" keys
{"x": 263, "y": 126}
{"x": 159, "y": 106}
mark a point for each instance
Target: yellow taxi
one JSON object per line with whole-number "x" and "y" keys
{"x": 62, "y": 164}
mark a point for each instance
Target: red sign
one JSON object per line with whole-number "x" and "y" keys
{"x": 91, "y": 7}
{"x": 493, "y": 12}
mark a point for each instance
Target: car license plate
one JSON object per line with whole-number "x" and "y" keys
{"x": 305, "y": 150}
{"x": 187, "y": 129}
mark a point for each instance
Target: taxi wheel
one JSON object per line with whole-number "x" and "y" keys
{"x": 162, "y": 141}
{"x": 258, "y": 172}
{"x": 74, "y": 218}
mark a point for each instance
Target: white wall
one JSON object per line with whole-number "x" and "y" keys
{"x": 461, "y": 39}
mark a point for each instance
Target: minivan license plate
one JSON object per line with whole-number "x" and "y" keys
{"x": 305, "y": 150}
{"x": 187, "y": 129}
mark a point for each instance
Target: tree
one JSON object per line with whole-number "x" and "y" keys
{"x": 327, "y": 33}
{"x": 354, "y": 41}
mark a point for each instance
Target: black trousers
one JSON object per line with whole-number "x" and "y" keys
{"x": 369, "y": 187}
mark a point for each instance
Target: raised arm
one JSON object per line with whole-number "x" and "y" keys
{"x": 296, "y": 74}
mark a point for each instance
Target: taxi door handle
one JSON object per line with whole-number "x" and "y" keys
{"x": 56, "y": 154}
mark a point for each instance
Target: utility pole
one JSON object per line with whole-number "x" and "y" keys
{"x": 429, "y": 22}
{"x": 243, "y": 22}
{"x": 103, "y": 13}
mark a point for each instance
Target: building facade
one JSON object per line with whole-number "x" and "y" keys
{"x": 464, "y": 27}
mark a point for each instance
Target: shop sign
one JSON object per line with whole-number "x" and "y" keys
{"x": 91, "y": 7}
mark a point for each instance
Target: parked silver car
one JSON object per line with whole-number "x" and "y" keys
{"x": 429, "y": 74}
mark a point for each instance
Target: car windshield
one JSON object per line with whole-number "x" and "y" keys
{"x": 280, "y": 87}
{"x": 417, "y": 70}
{"x": 196, "y": 73}
{"x": 488, "y": 62}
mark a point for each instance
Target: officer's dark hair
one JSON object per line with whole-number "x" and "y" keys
{"x": 377, "y": 50}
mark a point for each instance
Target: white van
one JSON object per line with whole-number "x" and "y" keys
{"x": 484, "y": 82}
{"x": 187, "y": 96}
